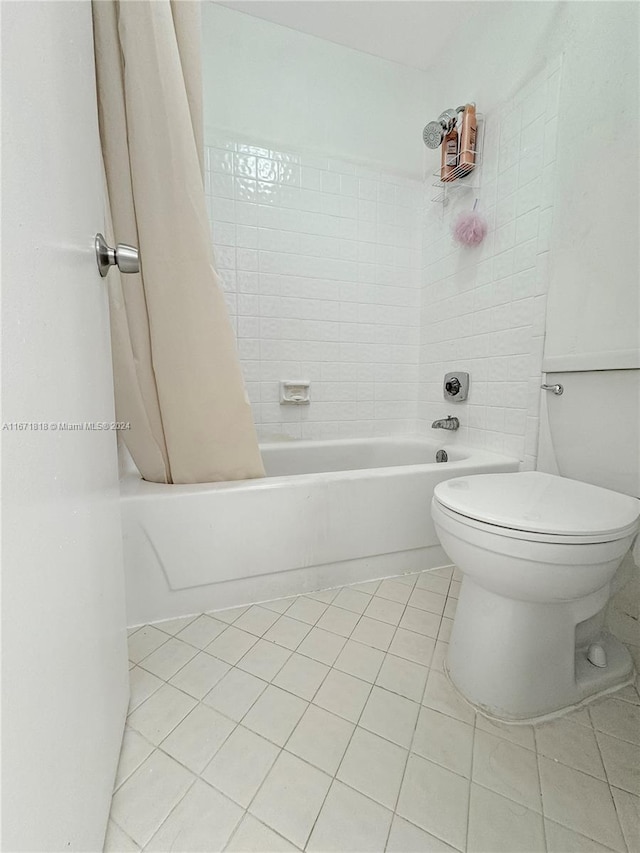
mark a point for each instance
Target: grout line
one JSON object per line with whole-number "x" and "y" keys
{"x": 542, "y": 809}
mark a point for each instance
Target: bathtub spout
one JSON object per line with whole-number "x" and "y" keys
{"x": 446, "y": 423}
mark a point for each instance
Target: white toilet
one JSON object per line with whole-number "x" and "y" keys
{"x": 538, "y": 553}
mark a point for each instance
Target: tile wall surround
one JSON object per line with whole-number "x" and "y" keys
{"x": 346, "y": 275}
{"x": 483, "y": 309}
{"x": 320, "y": 260}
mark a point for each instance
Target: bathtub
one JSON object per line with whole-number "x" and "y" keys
{"x": 328, "y": 513}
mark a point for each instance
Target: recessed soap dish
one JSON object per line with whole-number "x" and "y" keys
{"x": 294, "y": 392}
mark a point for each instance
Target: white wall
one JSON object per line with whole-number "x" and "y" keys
{"x": 593, "y": 297}
{"x": 64, "y": 652}
{"x": 267, "y": 82}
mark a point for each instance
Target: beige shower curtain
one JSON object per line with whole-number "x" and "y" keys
{"x": 177, "y": 375}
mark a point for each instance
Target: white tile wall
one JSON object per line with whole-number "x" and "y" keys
{"x": 483, "y": 309}
{"x": 348, "y": 276}
{"x": 320, "y": 260}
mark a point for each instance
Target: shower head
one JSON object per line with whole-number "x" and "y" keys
{"x": 433, "y": 134}
{"x": 435, "y": 131}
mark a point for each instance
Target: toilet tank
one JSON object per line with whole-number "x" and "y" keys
{"x": 594, "y": 428}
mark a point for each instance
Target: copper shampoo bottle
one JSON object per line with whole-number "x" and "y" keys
{"x": 449, "y": 161}
{"x": 468, "y": 133}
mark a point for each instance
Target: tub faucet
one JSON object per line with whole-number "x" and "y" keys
{"x": 446, "y": 423}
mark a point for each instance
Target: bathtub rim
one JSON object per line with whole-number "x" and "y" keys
{"x": 134, "y": 487}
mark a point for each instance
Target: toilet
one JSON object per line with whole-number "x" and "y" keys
{"x": 538, "y": 553}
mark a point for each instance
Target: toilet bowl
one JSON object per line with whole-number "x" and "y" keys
{"x": 538, "y": 553}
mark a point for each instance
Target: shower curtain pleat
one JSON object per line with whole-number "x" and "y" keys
{"x": 177, "y": 375}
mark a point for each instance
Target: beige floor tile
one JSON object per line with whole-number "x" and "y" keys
{"x": 142, "y": 803}
{"x": 373, "y": 633}
{"x": 200, "y": 675}
{"x": 145, "y": 640}
{"x": 343, "y": 695}
{"x": 321, "y": 646}
{"x": 499, "y": 825}
{"x": 441, "y": 696}
{"x": 142, "y": 685}
{"x": 241, "y": 765}
{"x": 349, "y": 821}
{"x": 287, "y": 632}
{"x": 231, "y": 645}
{"x": 134, "y": 750}
{"x": 306, "y": 610}
{"x": 622, "y": 763}
{"x": 264, "y": 660}
{"x": 403, "y": 677}
{"x": 302, "y": 676}
{"x": 433, "y": 582}
{"x": 117, "y": 841}
{"x": 391, "y": 716}
{"x": 362, "y": 661}
{"x": 169, "y": 658}
{"x": 338, "y": 621}
{"x": 507, "y": 769}
{"x": 351, "y": 599}
{"x": 201, "y": 823}
{"x": 421, "y": 621}
{"x": 257, "y": 620}
{"x": 384, "y": 610}
{"x": 394, "y": 591}
{"x": 202, "y": 631}
{"x": 174, "y": 626}
{"x": 628, "y": 809}
{"x": 252, "y": 836}
{"x": 321, "y": 738}
{"x": 617, "y": 718}
{"x": 412, "y": 646}
{"x": 563, "y": 840}
{"x": 275, "y": 714}
{"x": 424, "y": 599}
{"x": 571, "y": 744}
{"x": 198, "y": 737}
{"x": 436, "y": 800}
{"x": 444, "y": 740}
{"x": 161, "y": 713}
{"x": 278, "y": 605}
{"x": 521, "y": 735}
{"x": 229, "y": 615}
{"x": 407, "y": 838}
{"x": 235, "y": 693}
{"x": 579, "y": 802}
{"x": 291, "y": 797}
{"x": 374, "y": 767}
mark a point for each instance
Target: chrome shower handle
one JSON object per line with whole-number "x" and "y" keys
{"x": 126, "y": 258}
{"x": 557, "y": 389}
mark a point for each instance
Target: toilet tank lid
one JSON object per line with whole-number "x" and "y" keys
{"x": 534, "y": 501}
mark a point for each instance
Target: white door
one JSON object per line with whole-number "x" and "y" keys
{"x": 64, "y": 668}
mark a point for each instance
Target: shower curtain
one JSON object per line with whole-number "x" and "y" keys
{"x": 177, "y": 376}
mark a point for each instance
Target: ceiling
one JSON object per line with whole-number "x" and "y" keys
{"x": 413, "y": 32}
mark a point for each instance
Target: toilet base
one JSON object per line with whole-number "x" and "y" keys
{"x": 517, "y": 661}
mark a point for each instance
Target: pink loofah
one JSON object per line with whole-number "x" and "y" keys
{"x": 470, "y": 229}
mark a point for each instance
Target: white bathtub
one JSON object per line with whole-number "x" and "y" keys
{"x": 328, "y": 513}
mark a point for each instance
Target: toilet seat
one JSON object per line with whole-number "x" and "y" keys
{"x": 538, "y": 507}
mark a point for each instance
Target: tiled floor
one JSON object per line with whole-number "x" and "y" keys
{"x": 325, "y": 722}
